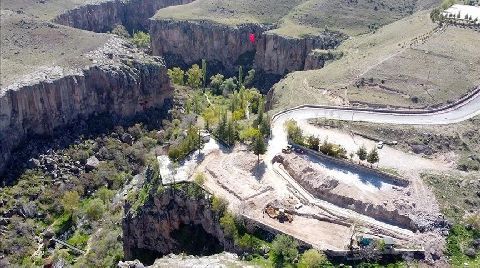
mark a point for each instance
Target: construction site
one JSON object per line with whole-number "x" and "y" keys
{"x": 325, "y": 204}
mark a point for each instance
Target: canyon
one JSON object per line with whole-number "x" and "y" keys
{"x": 188, "y": 42}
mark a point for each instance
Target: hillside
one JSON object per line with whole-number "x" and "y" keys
{"x": 409, "y": 63}
{"x": 300, "y": 17}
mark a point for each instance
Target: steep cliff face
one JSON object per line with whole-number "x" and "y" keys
{"x": 187, "y": 42}
{"x": 172, "y": 222}
{"x": 119, "y": 86}
{"x": 280, "y": 55}
{"x": 101, "y": 17}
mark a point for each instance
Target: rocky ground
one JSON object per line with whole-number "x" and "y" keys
{"x": 222, "y": 260}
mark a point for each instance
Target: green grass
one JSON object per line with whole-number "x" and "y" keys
{"x": 79, "y": 239}
{"x": 458, "y": 241}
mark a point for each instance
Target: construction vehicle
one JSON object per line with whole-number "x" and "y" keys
{"x": 278, "y": 214}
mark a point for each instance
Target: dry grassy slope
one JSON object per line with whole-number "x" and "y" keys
{"x": 443, "y": 68}
{"x": 299, "y": 17}
{"x": 29, "y": 45}
{"x": 45, "y": 10}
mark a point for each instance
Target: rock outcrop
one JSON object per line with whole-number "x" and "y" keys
{"x": 102, "y": 16}
{"x": 120, "y": 81}
{"x": 173, "y": 221}
{"x": 187, "y": 42}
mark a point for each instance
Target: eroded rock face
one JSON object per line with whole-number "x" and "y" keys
{"x": 102, "y": 16}
{"x": 172, "y": 222}
{"x": 187, "y": 42}
{"x": 122, "y": 84}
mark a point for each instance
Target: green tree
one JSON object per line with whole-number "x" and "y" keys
{"x": 219, "y": 205}
{"x": 141, "y": 39}
{"x": 228, "y": 86}
{"x": 240, "y": 76}
{"x": 249, "y": 134}
{"x": 215, "y": 82}
{"x": 94, "y": 209}
{"x": 120, "y": 30}
{"x": 105, "y": 195}
{"x": 259, "y": 147}
{"x": 204, "y": 74}
{"x": 312, "y": 258}
{"x": 314, "y": 143}
{"x": 284, "y": 250}
{"x": 176, "y": 75}
{"x": 209, "y": 116}
{"x": 362, "y": 153}
{"x": 70, "y": 201}
{"x": 294, "y": 132}
{"x": 231, "y": 133}
{"x": 194, "y": 76}
{"x": 249, "y": 78}
{"x": 373, "y": 157}
{"x": 435, "y": 14}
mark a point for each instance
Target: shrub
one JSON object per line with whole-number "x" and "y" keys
{"x": 312, "y": 258}
{"x": 120, "y": 30}
{"x": 284, "y": 250}
{"x": 194, "y": 76}
{"x": 219, "y": 205}
{"x": 314, "y": 143}
{"x": 294, "y": 132}
{"x": 94, "y": 209}
{"x": 199, "y": 179}
{"x": 176, "y": 75}
{"x": 70, "y": 201}
{"x": 141, "y": 39}
{"x": 227, "y": 222}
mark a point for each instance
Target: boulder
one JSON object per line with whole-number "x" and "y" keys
{"x": 92, "y": 163}
{"x": 127, "y": 138}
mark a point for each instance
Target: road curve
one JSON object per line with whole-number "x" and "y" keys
{"x": 463, "y": 109}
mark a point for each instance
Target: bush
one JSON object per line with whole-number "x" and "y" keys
{"x": 70, "y": 201}
{"x": 312, "y": 258}
{"x": 219, "y": 205}
{"x": 94, "y": 209}
{"x": 141, "y": 39}
{"x": 227, "y": 222}
{"x": 284, "y": 250}
{"x": 176, "y": 75}
{"x": 199, "y": 179}
{"x": 294, "y": 132}
{"x": 120, "y": 30}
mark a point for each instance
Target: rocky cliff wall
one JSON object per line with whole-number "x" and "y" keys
{"x": 173, "y": 221}
{"x": 101, "y": 17}
{"x": 187, "y": 42}
{"x": 121, "y": 87}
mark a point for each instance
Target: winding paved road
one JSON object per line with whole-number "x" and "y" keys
{"x": 466, "y": 108}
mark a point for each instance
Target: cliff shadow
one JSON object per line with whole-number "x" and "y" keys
{"x": 34, "y": 146}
